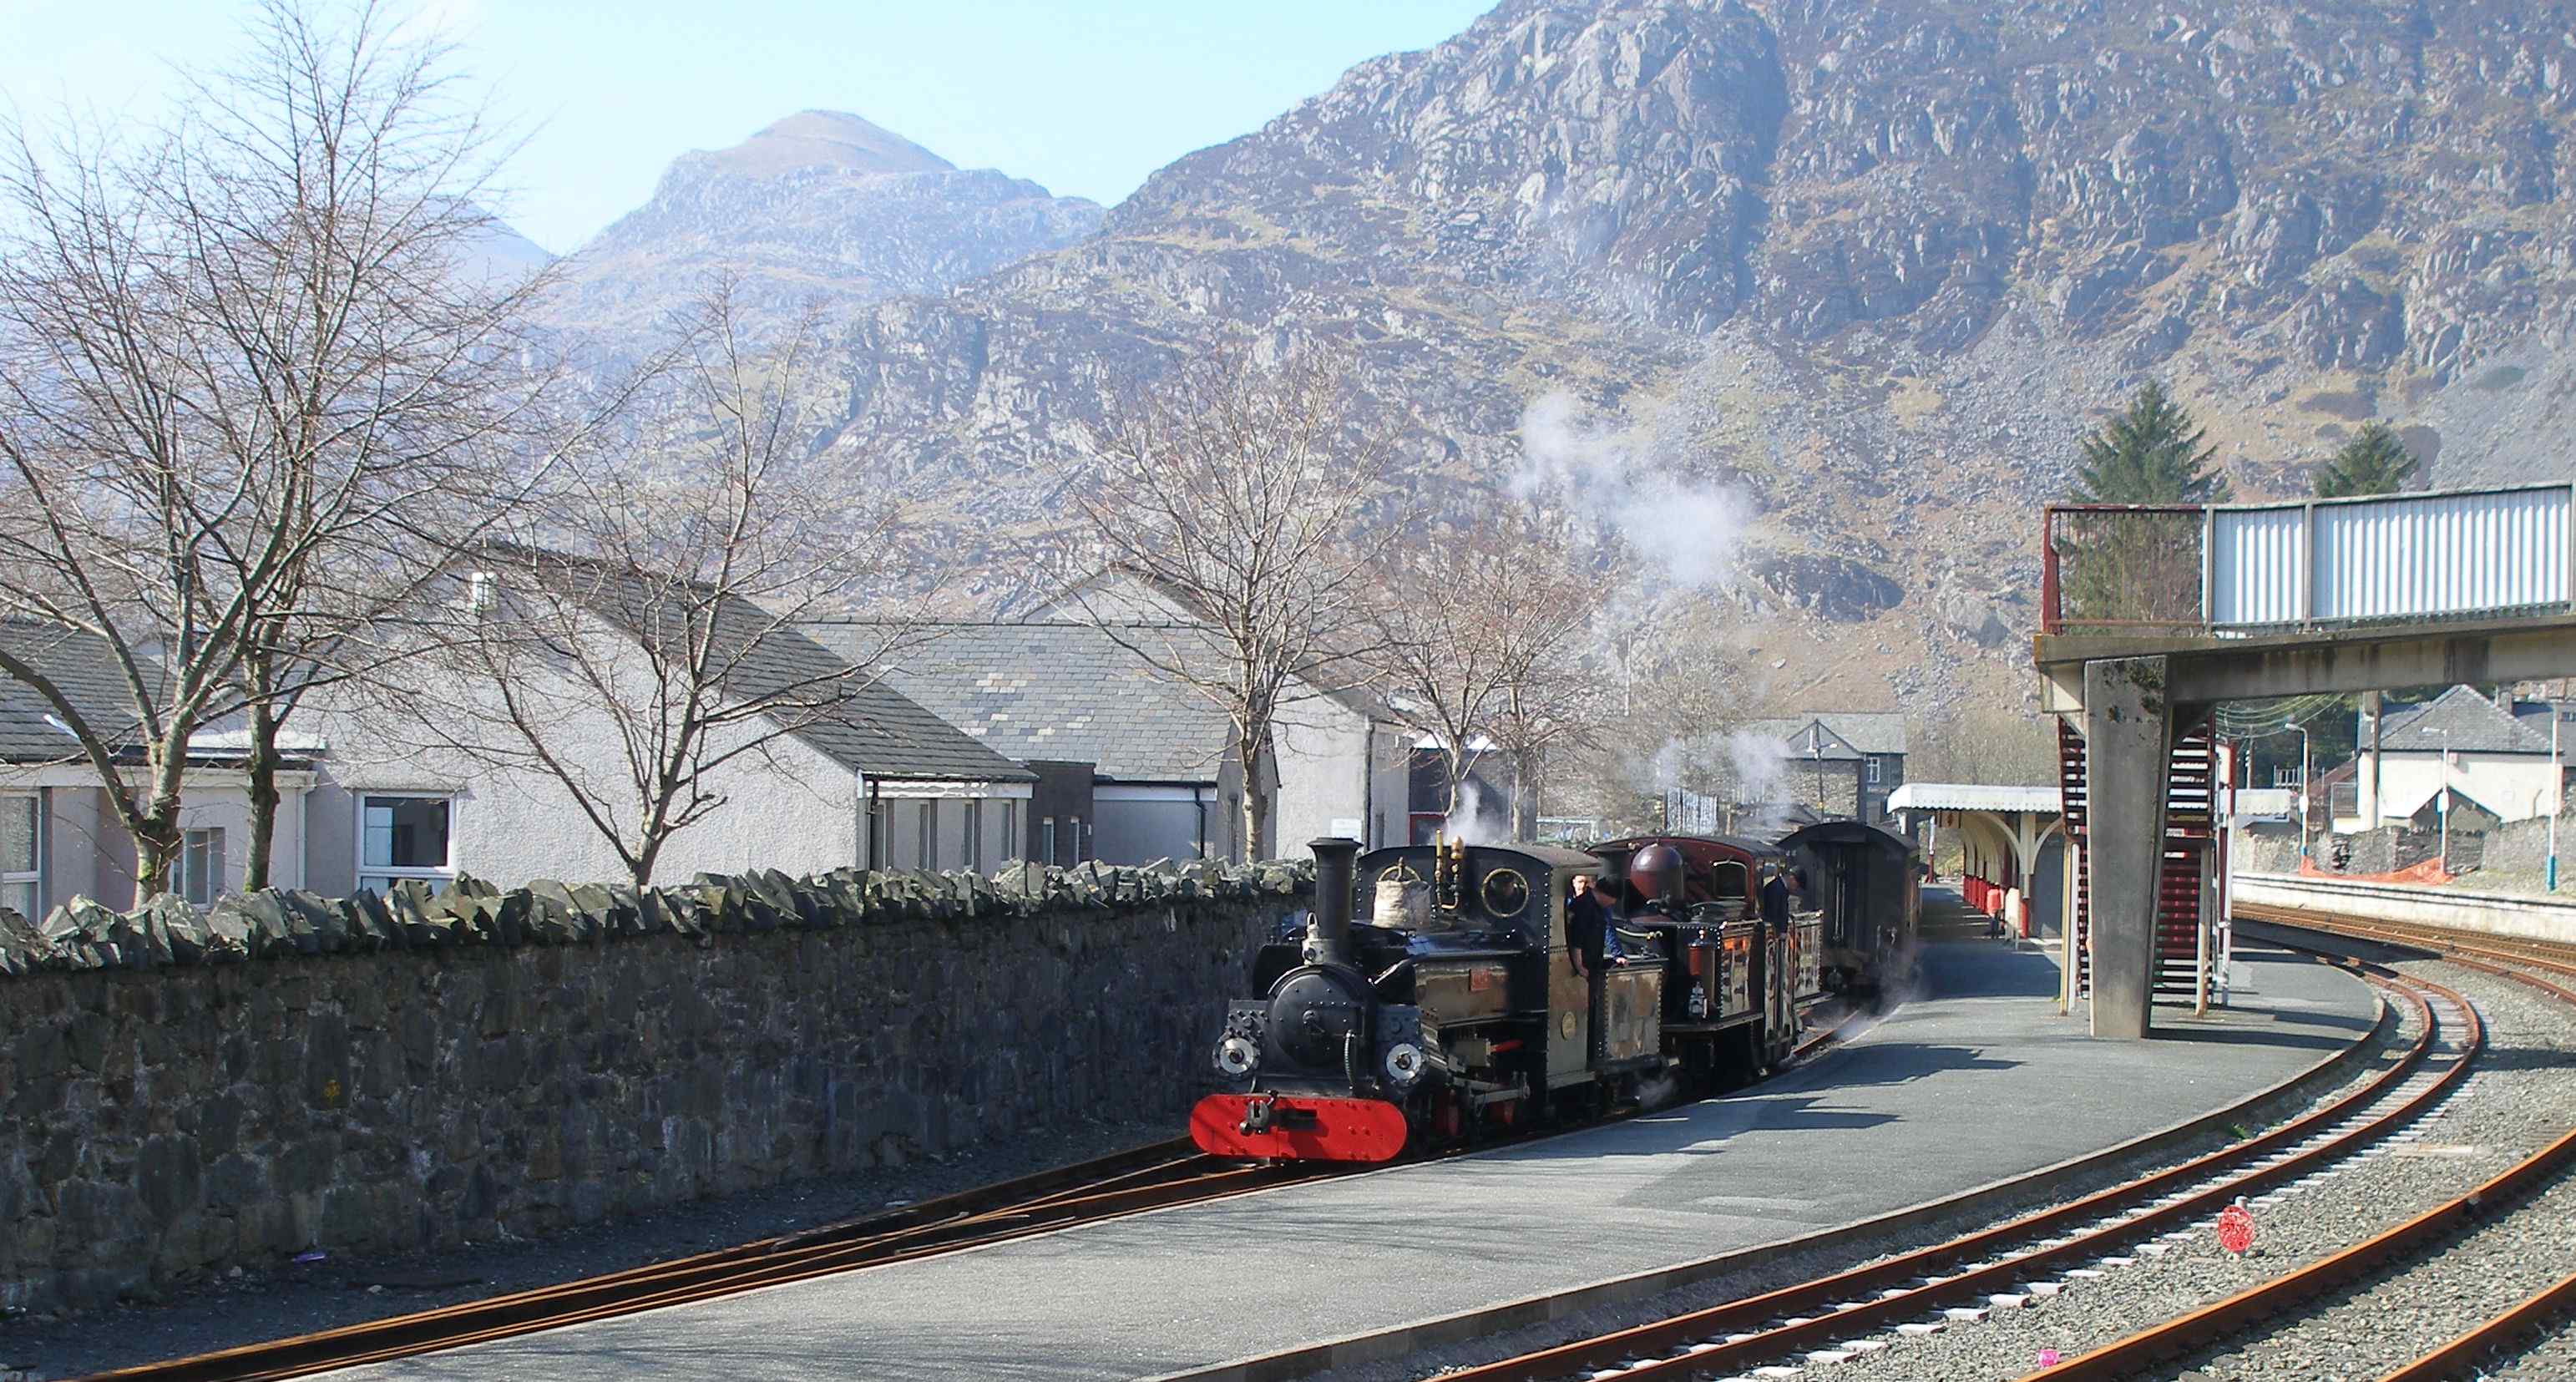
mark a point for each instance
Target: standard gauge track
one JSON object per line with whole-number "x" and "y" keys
{"x": 2458, "y": 1356}
{"x": 2028, "y": 1257}
{"x": 1148, "y": 1177}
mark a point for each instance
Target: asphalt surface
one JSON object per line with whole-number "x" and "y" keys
{"x": 1976, "y": 1079}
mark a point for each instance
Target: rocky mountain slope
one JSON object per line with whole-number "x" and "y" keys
{"x": 820, "y": 205}
{"x": 1871, "y": 265}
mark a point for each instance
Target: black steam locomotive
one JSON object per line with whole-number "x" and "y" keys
{"x": 1463, "y": 1005}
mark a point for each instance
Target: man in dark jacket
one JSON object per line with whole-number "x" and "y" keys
{"x": 1587, "y": 926}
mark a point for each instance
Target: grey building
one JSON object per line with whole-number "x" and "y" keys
{"x": 60, "y": 836}
{"x": 1131, "y": 767}
{"x": 1840, "y": 764}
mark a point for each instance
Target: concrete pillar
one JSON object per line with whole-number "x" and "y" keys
{"x": 2128, "y": 750}
{"x": 2365, "y": 775}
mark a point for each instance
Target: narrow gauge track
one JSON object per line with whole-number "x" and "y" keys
{"x": 1961, "y": 1280}
{"x": 1140, "y": 1178}
{"x": 2457, "y": 1357}
{"x": 1154, "y": 1176}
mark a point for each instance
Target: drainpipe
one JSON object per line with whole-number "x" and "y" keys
{"x": 1368, "y": 781}
{"x": 1200, "y": 801}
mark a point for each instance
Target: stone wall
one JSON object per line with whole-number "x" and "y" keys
{"x": 431, "y": 1070}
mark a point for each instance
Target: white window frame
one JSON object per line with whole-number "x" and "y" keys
{"x": 391, "y": 873}
{"x": 199, "y": 890}
{"x": 1873, "y": 761}
{"x": 975, "y": 834}
{"x": 929, "y": 853}
{"x": 33, "y": 878}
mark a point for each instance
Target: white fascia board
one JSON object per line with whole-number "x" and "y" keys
{"x": 27, "y": 775}
{"x": 1154, "y": 793}
{"x": 910, "y": 790}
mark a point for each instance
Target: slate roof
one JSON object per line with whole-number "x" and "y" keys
{"x": 876, "y": 730}
{"x": 1847, "y": 735}
{"x": 1059, "y": 691}
{"x": 2462, "y": 721}
{"x": 84, "y": 667}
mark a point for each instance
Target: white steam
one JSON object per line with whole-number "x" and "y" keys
{"x": 1736, "y": 783}
{"x": 1467, "y": 823}
{"x": 1685, "y": 531}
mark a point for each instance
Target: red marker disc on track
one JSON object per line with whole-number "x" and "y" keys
{"x": 2235, "y": 1229}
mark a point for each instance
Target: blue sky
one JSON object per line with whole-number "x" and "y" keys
{"x": 1085, "y": 96}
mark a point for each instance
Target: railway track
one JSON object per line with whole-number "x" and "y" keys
{"x": 1851, "y": 1314}
{"x": 2512, "y": 958}
{"x": 1845, "y": 1315}
{"x": 1154, "y": 1176}
{"x": 1141, "y": 1178}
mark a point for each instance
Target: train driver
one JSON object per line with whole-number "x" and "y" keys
{"x": 1587, "y": 926}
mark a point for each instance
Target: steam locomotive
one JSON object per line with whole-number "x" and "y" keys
{"x": 1462, "y": 1007}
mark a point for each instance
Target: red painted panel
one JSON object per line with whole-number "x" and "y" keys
{"x": 1343, "y": 1129}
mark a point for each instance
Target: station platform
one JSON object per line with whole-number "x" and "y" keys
{"x": 1976, "y": 1079}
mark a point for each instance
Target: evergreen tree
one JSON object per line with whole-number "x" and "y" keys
{"x": 2374, "y": 462}
{"x": 2150, "y": 454}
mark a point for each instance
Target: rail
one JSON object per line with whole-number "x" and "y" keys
{"x": 2238, "y": 569}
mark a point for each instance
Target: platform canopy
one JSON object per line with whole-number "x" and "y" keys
{"x": 1973, "y": 796}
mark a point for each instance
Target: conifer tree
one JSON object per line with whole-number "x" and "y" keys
{"x": 2150, "y": 454}
{"x": 2373, "y": 462}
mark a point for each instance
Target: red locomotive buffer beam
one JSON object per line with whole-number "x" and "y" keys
{"x": 1282, "y": 1127}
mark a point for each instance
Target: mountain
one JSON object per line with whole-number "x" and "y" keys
{"x": 1869, "y": 266}
{"x": 820, "y": 205}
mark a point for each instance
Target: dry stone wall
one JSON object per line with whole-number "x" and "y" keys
{"x": 179, "y": 1094}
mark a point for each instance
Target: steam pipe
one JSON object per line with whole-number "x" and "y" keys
{"x": 1328, "y": 934}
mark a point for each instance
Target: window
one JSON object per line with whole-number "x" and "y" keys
{"x": 1046, "y": 839}
{"x": 1874, "y": 765}
{"x": 19, "y": 875}
{"x": 201, "y": 866}
{"x": 402, "y": 837}
{"x": 1077, "y": 839}
{"x": 975, "y": 835}
{"x": 930, "y": 835}
{"x": 1013, "y": 847}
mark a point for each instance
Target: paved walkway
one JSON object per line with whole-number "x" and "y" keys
{"x": 1977, "y": 1079}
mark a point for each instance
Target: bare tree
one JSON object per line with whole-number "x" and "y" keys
{"x": 244, "y": 362}
{"x": 1984, "y": 742}
{"x": 666, "y": 600}
{"x": 1250, "y": 495}
{"x": 1479, "y": 635}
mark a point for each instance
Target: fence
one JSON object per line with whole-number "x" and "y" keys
{"x": 2251, "y": 568}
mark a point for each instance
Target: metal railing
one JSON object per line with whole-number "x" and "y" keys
{"x": 2247, "y": 568}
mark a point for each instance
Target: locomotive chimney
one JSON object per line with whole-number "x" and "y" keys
{"x": 1328, "y": 936}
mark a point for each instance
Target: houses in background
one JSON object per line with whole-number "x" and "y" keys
{"x": 974, "y": 746}
{"x": 59, "y": 834}
{"x": 1834, "y": 765}
{"x": 1133, "y": 766}
{"x": 2495, "y": 765}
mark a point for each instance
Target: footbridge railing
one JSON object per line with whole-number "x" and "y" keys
{"x": 2239, "y": 569}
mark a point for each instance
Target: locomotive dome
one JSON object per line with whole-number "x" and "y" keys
{"x": 1653, "y": 869}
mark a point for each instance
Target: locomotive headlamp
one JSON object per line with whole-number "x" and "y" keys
{"x": 1236, "y": 1056}
{"x": 1404, "y": 1063}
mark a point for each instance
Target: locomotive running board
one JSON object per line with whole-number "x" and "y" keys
{"x": 1300, "y": 1128}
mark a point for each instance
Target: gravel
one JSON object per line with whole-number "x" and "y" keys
{"x": 1790, "y": 1268}
{"x": 293, "y": 1299}
{"x": 2551, "y": 1357}
{"x": 2519, "y": 1096}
